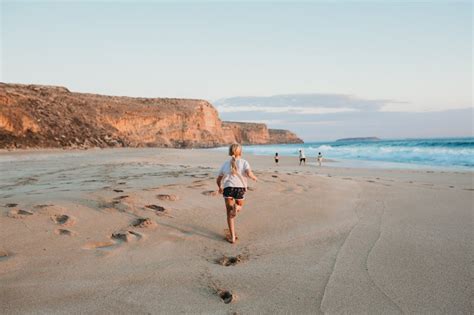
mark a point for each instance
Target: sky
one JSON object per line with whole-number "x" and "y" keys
{"x": 395, "y": 57}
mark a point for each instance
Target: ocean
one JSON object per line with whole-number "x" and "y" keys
{"x": 441, "y": 152}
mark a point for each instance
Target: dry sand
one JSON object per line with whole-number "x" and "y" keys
{"x": 142, "y": 231}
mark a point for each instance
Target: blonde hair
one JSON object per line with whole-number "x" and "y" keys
{"x": 235, "y": 150}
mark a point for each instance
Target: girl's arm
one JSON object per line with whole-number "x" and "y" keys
{"x": 218, "y": 182}
{"x": 251, "y": 175}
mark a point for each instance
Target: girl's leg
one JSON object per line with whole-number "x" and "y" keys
{"x": 230, "y": 204}
{"x": 239, "y": 203}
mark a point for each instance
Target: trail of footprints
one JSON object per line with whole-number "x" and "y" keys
{"x": 65, "y": 221}
{"x": 215, "y": 257}
{"x": 129, "y": 235}
{"x": 226, "y": 295}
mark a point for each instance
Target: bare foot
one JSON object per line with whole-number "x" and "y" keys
{"x": 228, "y": 237}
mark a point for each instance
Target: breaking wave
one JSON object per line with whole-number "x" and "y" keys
{"x": 447, "y": 152}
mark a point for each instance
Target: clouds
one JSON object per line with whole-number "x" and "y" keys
{"x": 301, "y": 104}
{"x": 299, "y": 110}
{"x": 330, "y": 116}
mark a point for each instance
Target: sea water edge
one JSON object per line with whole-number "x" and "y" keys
{"x": 419, "y": 153}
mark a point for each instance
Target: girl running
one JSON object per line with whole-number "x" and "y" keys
{"x": 232, "y": 184}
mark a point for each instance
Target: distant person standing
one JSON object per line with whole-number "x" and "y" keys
{"x": 320, "y": 158}
{"x": 302, "y": 157}
{"x": 276, "y": 158}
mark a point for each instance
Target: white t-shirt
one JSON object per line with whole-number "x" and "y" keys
{"x": 235, "y": 180}
{"x": 302, "y": 156}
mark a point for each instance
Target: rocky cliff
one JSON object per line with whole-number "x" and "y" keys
{"x": 283, "y": 136}
{"x": 254, "y": 133}
{"x": 46, "y": 116}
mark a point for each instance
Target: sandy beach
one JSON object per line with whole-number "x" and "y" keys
{"x": 120, "y": 231}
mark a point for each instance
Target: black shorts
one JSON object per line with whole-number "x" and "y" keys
{"x": 234, "y": 192}
{"x": 302, "y": 159}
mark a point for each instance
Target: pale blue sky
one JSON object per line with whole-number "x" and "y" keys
{"x": 416, "y": 55}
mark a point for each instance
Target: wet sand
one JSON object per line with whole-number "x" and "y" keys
{"x": 141, "y": 231}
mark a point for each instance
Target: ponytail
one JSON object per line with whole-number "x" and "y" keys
{"x": 234, "y": 151}
{"x": 233, "y": 165}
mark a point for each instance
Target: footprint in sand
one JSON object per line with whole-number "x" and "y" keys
{"x": 24, "y": 212}
{"x": 215, "y": 287}
{"x": 11, "y": 205}
{"x": 197, "y": 184}
{"x": 126, "y": 236}
{"x": 167, "y": 197}
{"x": 120, "y": 197}
{"x": 171, "y": 186}
{"x": 117, "y": 238}
{"x": 226, "y": 296}
{"x": 205, "y": 175}
{"x": 144, "y": 223}
{"x": 64, "y": 232}
{"x": 63, "y": 219}
{"x": 99, "y": 245}
{"x": 19, "y": 214}
{"x": 210, "y": 193}
{"x": 230, "y": 260}
{"x": 42, "y": 206}
{"x": 156, "y": 208}
{"x": 118, "y": 190}
{"x": 113, "y": 204}
{"x": 4, "y": 255}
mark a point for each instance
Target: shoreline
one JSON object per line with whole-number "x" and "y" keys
{"x": 335, "y": 163}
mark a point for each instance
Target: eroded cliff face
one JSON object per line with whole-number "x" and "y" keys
{"x": 283, "y": 136}
{"x": 246, "y": 133}
{"x": 45, "y": 116}
{"x": 254, "y": 133}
